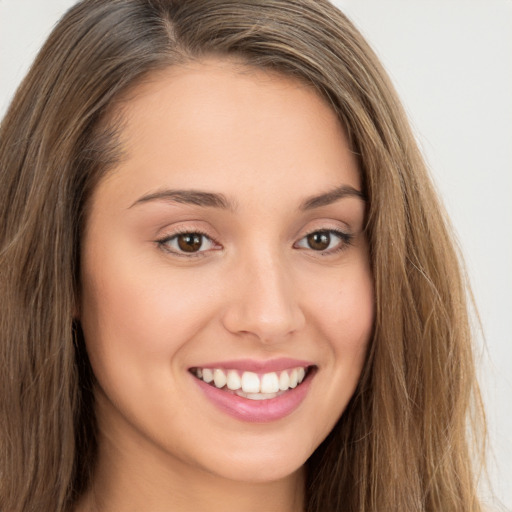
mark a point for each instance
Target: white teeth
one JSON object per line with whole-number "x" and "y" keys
{"x": 269, "y": 383}
{"x": 293, "y": 378}
{"x": 257, "y": 396}
{"x": 251, "y": 385}
{"x": 233, "y": 380}
{"x": 284, "y": 381}
{"x": 207, "y": 375}
{"x": 219, "y": 378}
{"x": 250, "y": 382}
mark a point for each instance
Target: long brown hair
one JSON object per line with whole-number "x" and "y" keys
{"x": 402, "y": 443}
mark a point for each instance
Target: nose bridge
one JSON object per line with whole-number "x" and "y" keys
{"x": 264, "y": 303}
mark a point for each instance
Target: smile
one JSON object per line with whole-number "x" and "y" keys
{"x": 251, "y": 385}
{"x": 248, "y": 393}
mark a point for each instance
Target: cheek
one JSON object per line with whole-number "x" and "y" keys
{"x": 345, "y": 312}
{"x": 137, "y": 320}
{"x": 350, "y": 335}
{"x": 344, "y": 305}
{"x": 134, "y": 311}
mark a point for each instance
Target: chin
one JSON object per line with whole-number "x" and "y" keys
{"x": 263, "y": 465}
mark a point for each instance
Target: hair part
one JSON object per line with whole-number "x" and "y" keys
{"x": 401, "y": 444}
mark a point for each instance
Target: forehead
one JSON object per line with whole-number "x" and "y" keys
{"x": 218, "y": 123}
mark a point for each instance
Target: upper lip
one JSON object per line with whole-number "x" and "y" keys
{"x": 257, "y": 366}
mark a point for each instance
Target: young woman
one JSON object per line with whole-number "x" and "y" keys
{"x": 226, "y": 281}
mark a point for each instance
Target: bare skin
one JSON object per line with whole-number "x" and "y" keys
{"x": 277, "y": 267}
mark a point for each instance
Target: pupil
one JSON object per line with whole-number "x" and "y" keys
{"x": 319, "y": 241}
{"x": 190, "y": 242}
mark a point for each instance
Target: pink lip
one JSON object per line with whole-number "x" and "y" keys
{"x": 252, "y": 365}
{"x": 257, "y": 411}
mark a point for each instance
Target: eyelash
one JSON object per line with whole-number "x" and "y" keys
{"x": 346, "y": 240}
{"x": 163, "y": 243}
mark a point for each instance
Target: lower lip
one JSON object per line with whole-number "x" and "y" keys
{"x": 257, "y": 411}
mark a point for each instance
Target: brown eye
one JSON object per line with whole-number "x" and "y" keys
{"x": 189, "y": 242}
{"x": 319, "y": 240}
{"x": 325, "y": 241}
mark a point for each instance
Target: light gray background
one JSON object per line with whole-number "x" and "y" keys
{"x": 451, "y": 61}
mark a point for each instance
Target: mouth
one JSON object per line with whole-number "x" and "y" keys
{"x": 252, "y": 385}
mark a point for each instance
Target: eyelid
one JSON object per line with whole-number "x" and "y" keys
{"x": 346, "y": 240}
{"x": 163, "y": 241}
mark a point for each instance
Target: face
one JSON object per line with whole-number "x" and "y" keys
{"x": 227, "y": 245}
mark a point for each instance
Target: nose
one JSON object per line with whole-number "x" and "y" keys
{"x": 263, "y": 301}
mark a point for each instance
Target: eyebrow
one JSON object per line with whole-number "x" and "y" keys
{"x": 194, "y": 197}
{"x": 217, "y": 200}
{"x": 330, "y": 197}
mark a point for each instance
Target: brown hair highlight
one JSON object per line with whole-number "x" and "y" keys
{"x": 402, "y": 442}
